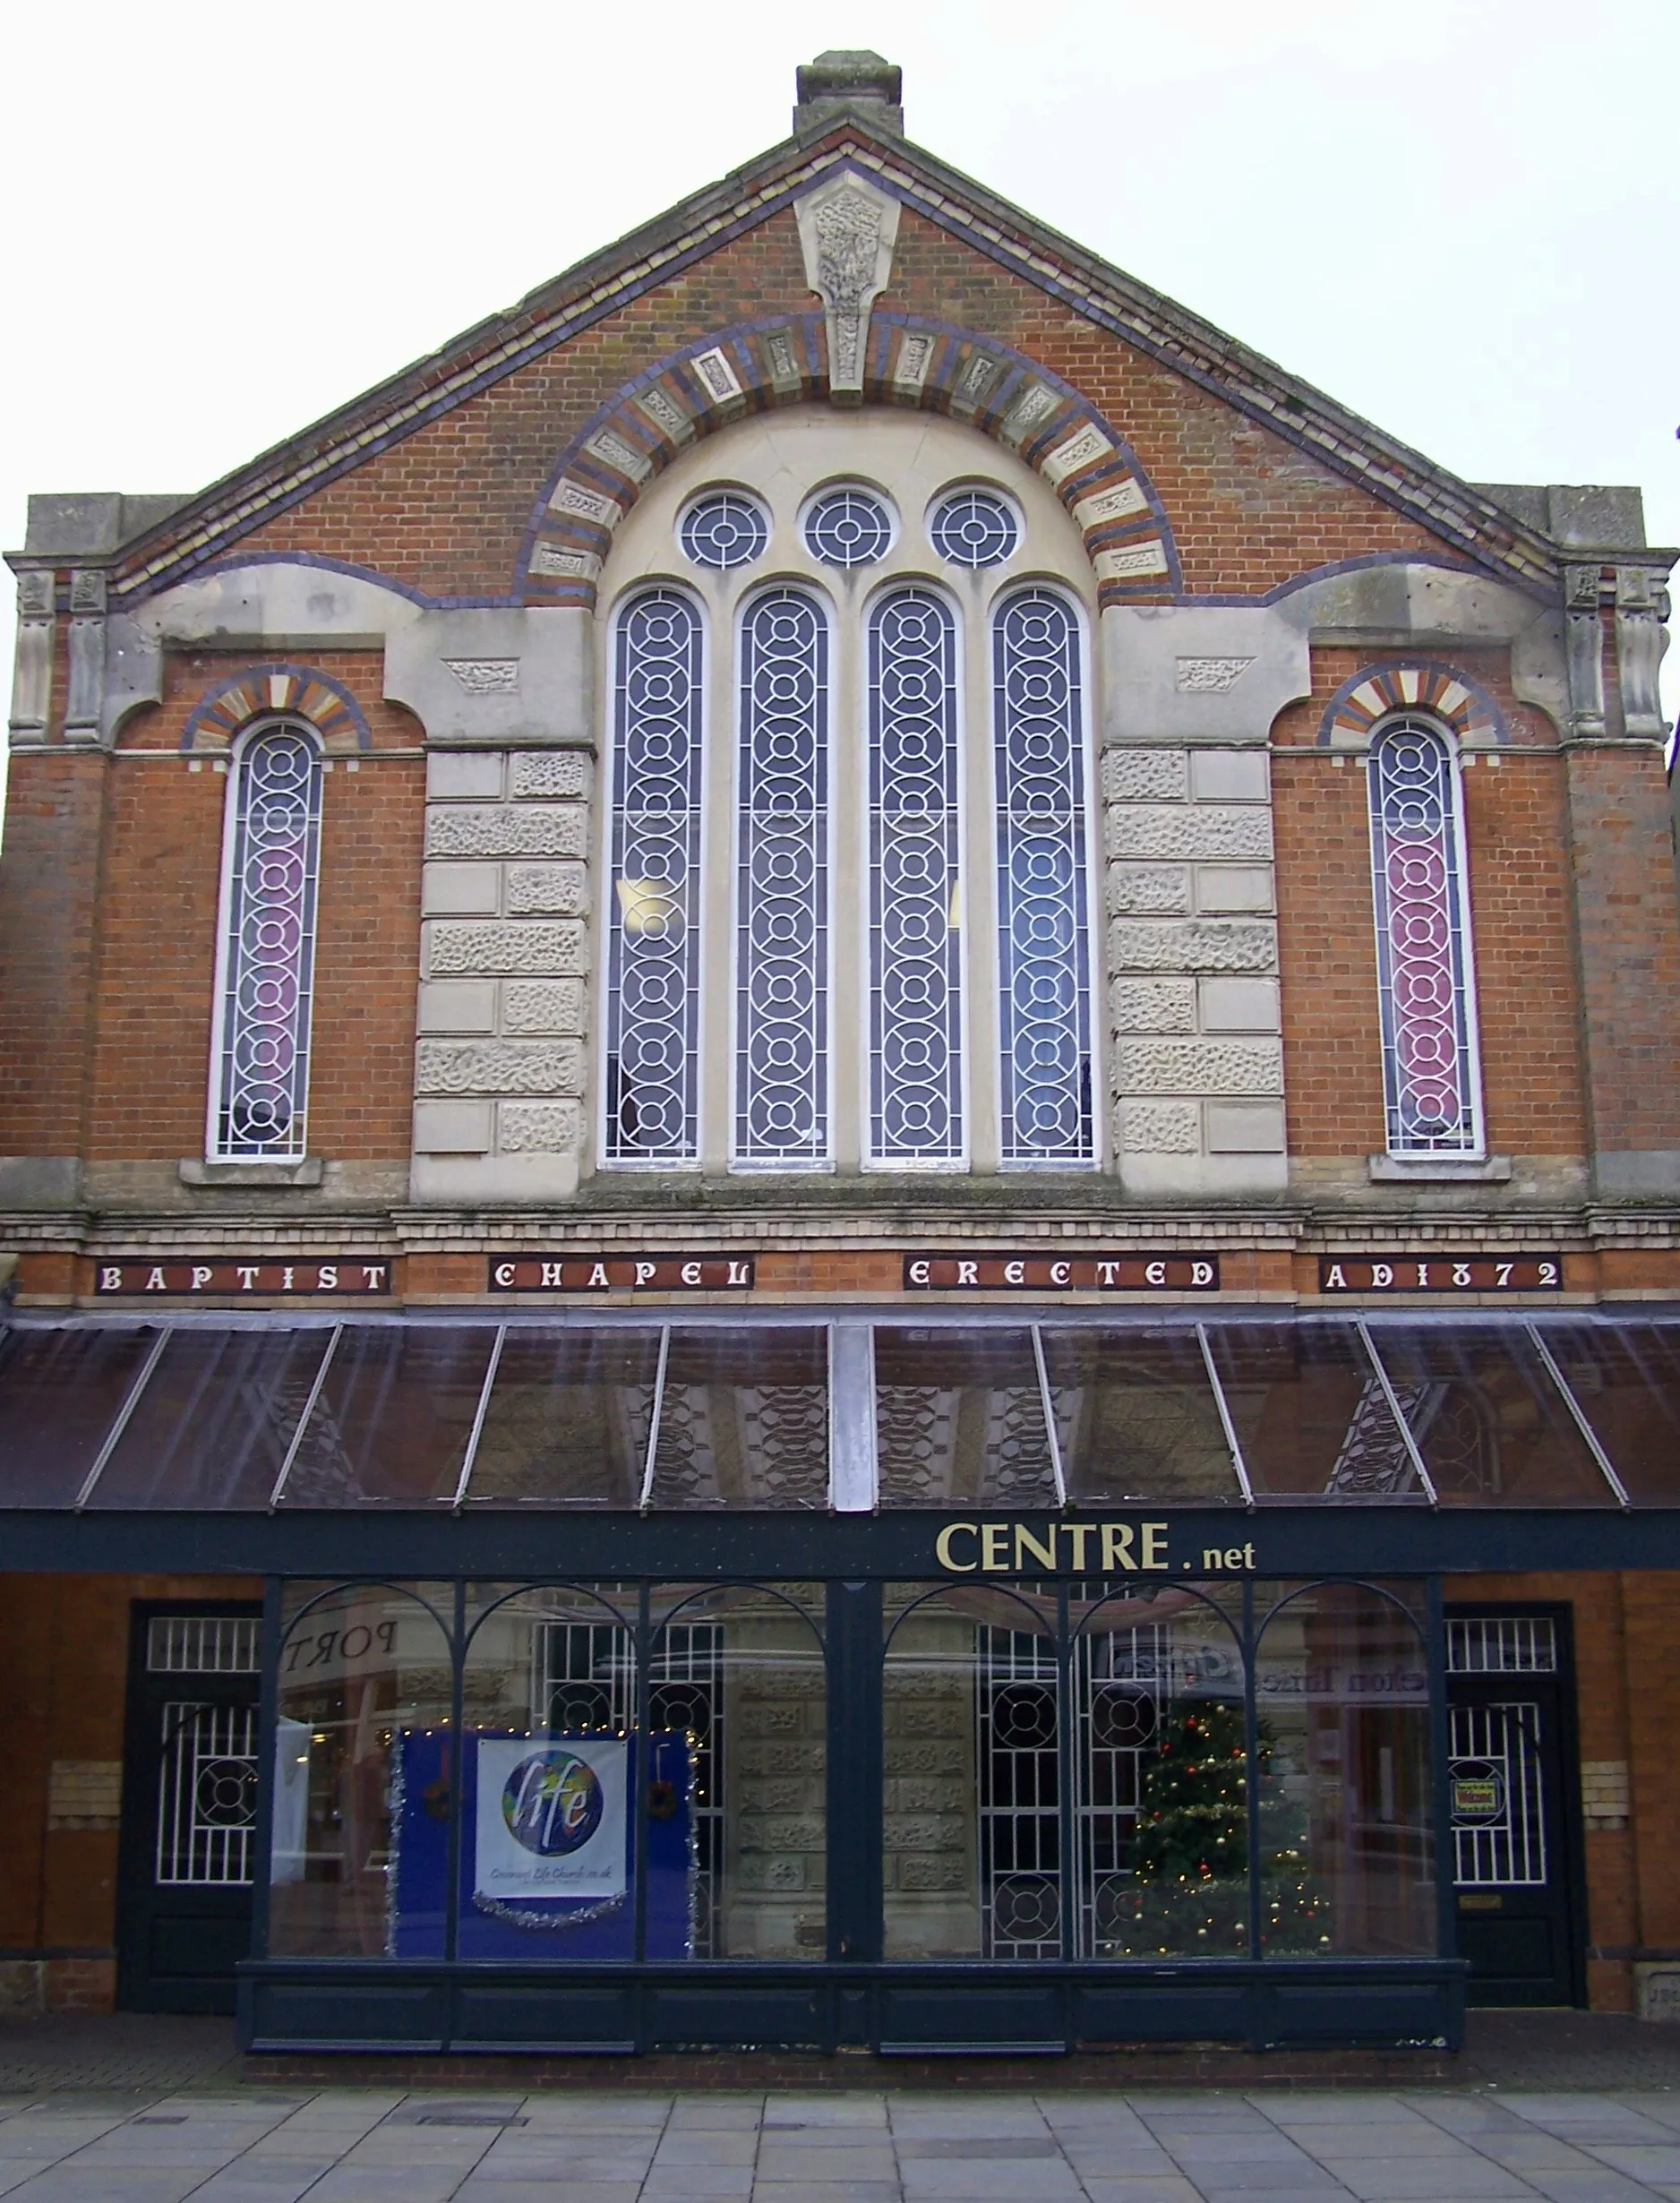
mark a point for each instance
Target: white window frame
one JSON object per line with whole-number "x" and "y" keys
{"x": 225, "y": 1028}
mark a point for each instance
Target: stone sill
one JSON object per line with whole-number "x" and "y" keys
{"x": 1438, "y": 1170}
{"x": 250, "y": 1177}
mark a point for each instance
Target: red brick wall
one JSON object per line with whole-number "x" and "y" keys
{"x": 49, "y": 890}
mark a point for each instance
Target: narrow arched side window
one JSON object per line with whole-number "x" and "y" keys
{"x": 1426, "y": 984}
{"x": 782, "y": 886}
{"x": 266, "y": 963}
{"x": 1044, "y": 917}
{"x": 653, "y": 998}
{"x": 915, "y": 978}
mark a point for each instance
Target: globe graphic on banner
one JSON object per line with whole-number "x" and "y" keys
{"x": 552, "y": 1803}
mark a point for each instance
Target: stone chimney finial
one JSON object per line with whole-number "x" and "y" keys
{"x": 855, "y": 83}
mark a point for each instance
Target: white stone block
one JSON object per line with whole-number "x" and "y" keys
{"x": 452, "y": 1128}
{"x": 1240, "y": 1006}
{"x": 1158, "y": 1128}
{"x": 1192, "y": 945}
{"x": 1188, "y": 830}
{"x": 1245, "y": 1127}
{"x": 1230, "y": 776}
{"x": 463, "y": 776}
{"x": 559, "y": 889}
{"x": 499, "y": 1067}
{"x": 543, "y": 1005}
{"x": 1233, "y": 887}
{"x": 539, "y": 1127}
{"x": 1203, "y": 1177}
{"x": 507, "y": 830}
{"x": 519, "y": 947}
{"x": 459, "y": 890}
{"x": 1153, "y": 1004}
{"x": 474, "y": 1181}
{"x": 550, "y": 773}
{"x": 457, "y": 1006}
{"x": 1208, "y": 1065}
{"x": 1159, "y": 887}
{"x": 1138, "y": 775}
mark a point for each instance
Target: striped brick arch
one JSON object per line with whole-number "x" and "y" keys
{"x": 911, "y": 363}
{"x": 297, "y": 690}
{"x": 1446, "y": 694}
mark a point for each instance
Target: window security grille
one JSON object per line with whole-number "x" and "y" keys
{"x": 1432, "y": 1085}
{"x": 1498, "y": 1808}
{"x": 1020, "y": 1796}
{"x": 974, "y": 529}
{"x": 652, "y": 922}
{"x": 915, "y": 913}
{"x": 782, "y": 886}
{"x": 1044, "y": 990}
{"x": 1120, "y": 1678}
{"x": 203, "y": 1644}
{"x": 207, "y": 1795}
{"x": 266, "y": 988}
{"x": 1501, "y": 1644}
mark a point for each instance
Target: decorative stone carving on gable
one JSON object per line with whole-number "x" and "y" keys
{"x": 847, "y": 229}
{"x": 32, "y": 669}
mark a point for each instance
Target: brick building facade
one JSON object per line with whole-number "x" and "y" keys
{"x": 844, "y": 909}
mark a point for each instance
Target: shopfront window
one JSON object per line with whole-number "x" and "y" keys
{"x": 364, "y": 1759}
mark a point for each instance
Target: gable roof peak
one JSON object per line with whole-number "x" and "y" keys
{"x": 852, "y": 82}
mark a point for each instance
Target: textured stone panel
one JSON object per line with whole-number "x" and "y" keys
{"x": 559, "y": 889}
{"x": 1230, "y": 776}
{"x": 1207, "y": 1066}
{"x": 550, "y": 773}
{"x": 1192, "y": 945}
{"x": 1239, "y": 1005}
{"x": 1189, "y": 830}
{"x": 459, "y": 890}
{"x": 452, "y": 1128}
{"x": 539, "y": 1127}
{"x": 1245, "y": 1127}
{"x": 932, "y": 1873}
{"x": 478, "y": 944}
{"x": 457, "y": 1006}
{"x": 1144, "y": 776}
{"x": 543, "y": 1005}
{"x": 499, "y": 1067}
{"x": 1233, "y": 887}
{"x": 1162, "y": 889}
{"x": 1158, "y": 1128}
{"x": 1153, "y": 1006}
{"x": 510, "y": 830}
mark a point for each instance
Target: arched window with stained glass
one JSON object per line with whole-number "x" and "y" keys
{"x": 266, "y": 962}
{"x": 1425, "y": 982}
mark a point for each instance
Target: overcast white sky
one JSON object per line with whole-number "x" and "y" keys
{"x": 1458, "y": 217}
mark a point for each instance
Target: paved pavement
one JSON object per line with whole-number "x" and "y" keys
{"x": 256, "y": 2144}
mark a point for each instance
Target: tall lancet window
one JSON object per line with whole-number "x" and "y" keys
{"x": 915, "y": 1001}
{"x": 782, "y": 865}
{"x": 1431, "y": 1076}
{"x": 1044, "y": 917}
{"x": 266, "y": 971}
{"x": 652, "y": 1098}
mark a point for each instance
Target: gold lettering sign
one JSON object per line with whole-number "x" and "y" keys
{"x": 1079, "y": 1549}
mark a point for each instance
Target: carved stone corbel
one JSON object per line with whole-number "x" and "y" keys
{"x": 1583, "y": 650}
{"x": 33, "y": 667}
{"x": 1641, "y": 610}
{"x": 87, "y": 656}
{"x": 847, "y": 229}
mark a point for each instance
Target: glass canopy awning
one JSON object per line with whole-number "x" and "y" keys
{"x": 858, "y": 1413}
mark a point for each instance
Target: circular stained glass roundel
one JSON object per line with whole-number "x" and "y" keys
{"x": 848, "y": 527}
{"x": 973, "y": 527}
{"x": 723, "y": 529}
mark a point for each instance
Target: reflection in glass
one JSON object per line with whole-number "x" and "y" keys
{"x": 1488, "y": 1417}
{"x": 972, "y": 1837}
{"x": 213, "y": 1425}
{"x": 1626, "y": 1378}
{"x": 743, "y": 1419}
{"x": 568, "y": 1419}
{"x": 1310, "y": 1413}
{"x": 960, "y": 1416}
{"x": 1162, "y": 1770}
{"x": 1137, "y": 1416}
{"x": 365, "y": 1695}
{"x": 60, "y": 1393}
{"x": 1347, "y": 1854}
{"x": 393, "y": 1415}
